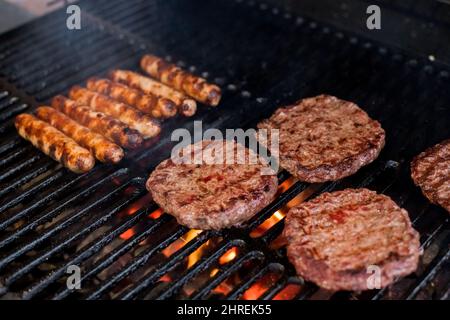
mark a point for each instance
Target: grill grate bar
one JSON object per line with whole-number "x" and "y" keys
{"x": 28, "y": 176}
{"x": 225, "y": 272}
{"x": 198, "y": 267}
{"x": 429, "y": 275}
{"x": 91, "y": 250}
{"x": 47, "y": 216}
{"x": 254, "y": 275}
{"x": 57, "y": 248}
{"x": 134, "y": 27}
{"x": 138, "y": 262}
{"x": 33, "y": 190}
{"x": 111, "y": 257}
{"x": 165, "y": 267}
{"x": 64, "y": 185}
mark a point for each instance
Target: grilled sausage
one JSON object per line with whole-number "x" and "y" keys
{"x": 148, "y": 103}
{"x": 54, "y": 143}
{"x": 179, "y": 79}
{"x": 103, "y": 149}
{"x": 101, "y": 123}
{"x": 185, "y": 105}
{"x": 135, "y": 119}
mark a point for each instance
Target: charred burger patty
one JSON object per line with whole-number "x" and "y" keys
{"x": 212, "y": 196}
{"x": 324, "y": 138}
{"x": 430, "y": 170}
{"x": 339, "y": 239}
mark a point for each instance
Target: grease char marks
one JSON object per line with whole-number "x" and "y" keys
{"x": 185, "y": 105}
{"x": 147, "y": 103}
{"x": 175, "y": 77}
{"x": 54, "y": 143}
{"x": 103, "y": 149}
{"x": 134, "y": 118}
{"x": 211, "y": 196}
{"x": 98, "y": 122}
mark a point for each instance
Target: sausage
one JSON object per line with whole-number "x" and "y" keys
{"x": 148, "y": 103}
{"x": 54, "y": 143}
{"x": 135, "y": 119}
{"x": 185, "y": 105}
{"x": 179, "y": 79}
{"x": 101, "y": 123}
{"x": 103, "y": 149}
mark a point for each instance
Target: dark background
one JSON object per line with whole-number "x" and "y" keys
{"x": 421, "y": 26}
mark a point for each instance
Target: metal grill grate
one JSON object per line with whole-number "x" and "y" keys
{"x": 263, "y": 57}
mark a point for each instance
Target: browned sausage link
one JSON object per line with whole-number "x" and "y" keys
{"x": 101, "y": 123}
{"x": 135, "y": 119}
{"x": 185, "y": 105}
{"x": 103, "y": 149}
{"x": 148, "y": 103}
{"x": 179, "y": 79}
{"x": 54, "y": 143}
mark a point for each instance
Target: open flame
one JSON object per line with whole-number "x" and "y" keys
{"x": 260, "y": 287}
{"x": 197, "y": 254}
{"x": 288, "y": 293}
{"x": 281, "y": 213}
{"x": 181, "y": 242}
{"x": 228, "y": 256}
{"x": 156, "y": 214}
{"x": 127, "y": 234}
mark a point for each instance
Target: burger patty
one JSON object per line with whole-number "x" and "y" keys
{"x": 324, "y": 138}
{"x": 336, "y": 239}
{"x": 430, "y": 170}
{"x": 212, "y": 196}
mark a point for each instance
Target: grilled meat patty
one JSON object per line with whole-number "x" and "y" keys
{"x": 430, "y": 170}
{"x": 212, "y": 196}
{"x": 334, "y": 239}
{"x": 324, "y": 138}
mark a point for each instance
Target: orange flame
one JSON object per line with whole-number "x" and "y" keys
{"x": 281, "y": 213}
{"x": 127, "y": 234}
{"x": 228, "y": 256}
{"x": 165, "y": 278}
{"x": 197, "y": 254}
{"x": 258, "y": 288}
{"x": 213, "y": 272}
{"x": 223, "y": 288}
{"x": 267, "y": 224}
{"x": 288, "y": 293}
{"x": 156, "y": 214}
{"x": 180, "y": 243}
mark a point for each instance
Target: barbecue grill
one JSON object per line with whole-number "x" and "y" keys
{"x": 263, "y": 56}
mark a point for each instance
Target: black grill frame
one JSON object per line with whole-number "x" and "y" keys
{"x": 257, "y": 78}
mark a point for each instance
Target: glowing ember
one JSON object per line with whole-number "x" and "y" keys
{"x": 258, "y": 289}
{"x": 266, "y": 225}
{"x": 288, "y": 293}
{"x": 156, "y": 214}
{"x": 180, "y": 243}
{"x": 165, "y": 278}
{"x": 223, "y": 288}
{"x": 228, "y": 256}
{"x": 213, "y": 272}
{"x": 281, "y": 213}
{"x": 286, "y": 185}
{"x": 197, "y": 254}
{"x": 127, "y": 234}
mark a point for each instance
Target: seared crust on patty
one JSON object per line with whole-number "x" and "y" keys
{"x": 212, "y": 196}
{"x": 325, "y": 138}
{"x": 430, "y": 170}
{"x": 334, "y": 239}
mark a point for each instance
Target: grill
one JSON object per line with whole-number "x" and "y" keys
{"x": 262, "y": 56}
